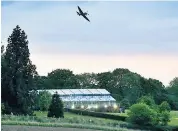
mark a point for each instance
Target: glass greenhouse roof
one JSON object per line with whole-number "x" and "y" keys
{"x": 82, "y": 94}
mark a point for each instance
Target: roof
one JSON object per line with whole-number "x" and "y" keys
{"x": 78, "y": 91}
{"x": 82, "y": 94}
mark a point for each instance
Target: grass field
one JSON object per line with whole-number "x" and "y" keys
{"x": 33, "y": 128}
{"x": 90, "y": 119}
{"x": 173, "y": 122}
{"x": 174, "y": 118}
{"x": 71, "y": 120}
{"x": 56, "y": 126}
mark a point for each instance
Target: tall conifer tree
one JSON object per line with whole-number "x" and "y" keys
{"x": 18, "y": 78}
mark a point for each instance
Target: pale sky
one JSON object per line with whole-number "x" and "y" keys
{"x": 140, "y": 36}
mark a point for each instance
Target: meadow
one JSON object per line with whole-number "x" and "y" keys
{"x": 71, "y": 120}
{"x": 39, "y": 128}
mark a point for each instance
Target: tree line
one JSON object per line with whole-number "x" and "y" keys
{"x": 19, "y": 77}
{"x": 121, "y": 83}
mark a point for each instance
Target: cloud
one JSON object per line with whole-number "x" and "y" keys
{"x": 124, "y": 29}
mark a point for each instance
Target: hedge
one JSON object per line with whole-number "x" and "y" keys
{"x": 122, "y": 118}
{"x": 96, "y": 114}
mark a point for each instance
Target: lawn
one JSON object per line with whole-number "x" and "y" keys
{"x": 69, "y": 115}
{"x": 174, "y": 118}
{"x": 69, "y": 120}
{"x": 34, "y": 128}
{"x": 173, "y": 122}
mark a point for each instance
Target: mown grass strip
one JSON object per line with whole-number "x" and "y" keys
{"x": 67, "y": 125}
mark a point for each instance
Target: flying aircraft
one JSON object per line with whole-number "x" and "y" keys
{"x": 82, "y": 13}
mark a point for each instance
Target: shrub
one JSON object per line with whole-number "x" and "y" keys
{"x": 164, "y": 106}
{"x": 164, "y": 117}
{"x": 97, "y": 114}
{"x": 142, "y": 114}
{"x": 44, "y": 100}
{"x": 56, "y": 108}
{"x": 148, "y": 100}
{"x": 125, "y": 103}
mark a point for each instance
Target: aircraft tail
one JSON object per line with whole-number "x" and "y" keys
{"x": 78, "y": 13}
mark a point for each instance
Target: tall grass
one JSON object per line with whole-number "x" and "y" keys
{"x": 71, "y": 119}
{"x": 82, "y": 126}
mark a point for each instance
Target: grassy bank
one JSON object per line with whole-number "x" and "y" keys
{"x": 64, "y": 125}
{"x": 173, "y": 122}
{"x": 76, "y": 121}
{"x": 40, "y": 128}
{"x": 41, "y": 117}
{"x": 70, "y": 120}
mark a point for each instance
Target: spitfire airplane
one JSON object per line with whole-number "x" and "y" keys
{"x": 82, "y": 13}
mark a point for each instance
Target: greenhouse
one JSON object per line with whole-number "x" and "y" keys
{"x": 85, "y": 98}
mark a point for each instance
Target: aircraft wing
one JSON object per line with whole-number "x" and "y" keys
{"x": 81, "y": 12}
{"x": 86, "y": 18}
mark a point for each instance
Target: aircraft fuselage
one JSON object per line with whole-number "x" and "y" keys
{"x": 82, "y": 13}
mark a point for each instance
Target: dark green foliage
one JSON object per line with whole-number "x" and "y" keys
{"x": 173, "y": 86}
{"x": 34, "y": 95}
{"x": 17, "y": 74}
{"x": 97, "y": 114}
{"x": 157, "y": 90}
{"x": 56, "y": 108}
{"x": 125, "y": 103}
{"x": 164, "y": 128}
{"x": 148, "y": 100}
{"x": 146, "y": 112}
{"x": 121, "y": 83}
{"x": 154, "y": 88}
{"x": 164, "y": 106}
{"x": 142, "y": 114}
{"x": 3, "y": 67}
{"x": 164, "y": 117}
{"x": 87, "y": 80}
{"x": 173, "y": 93}
{"x": 61, "y": 79}
{"x": 42, "y": 82}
